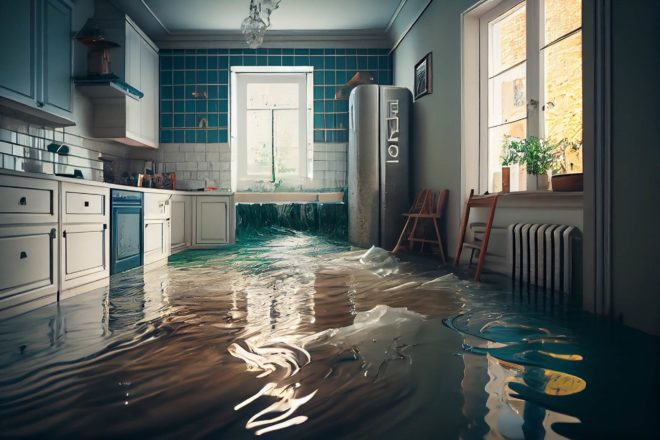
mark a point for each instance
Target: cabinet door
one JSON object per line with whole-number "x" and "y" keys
{"x": 28, "y": 273}
{"x": 85, "y": 254}
{"x": 149, "y": 80}
{"x": 156, "y": 240}
{"x": 211, "y": 220}
{"x": 181, "y": 222}
{"x": 132, "y": 50}
{"x": 57, "y": 61}
{"x": 18, "y": 50}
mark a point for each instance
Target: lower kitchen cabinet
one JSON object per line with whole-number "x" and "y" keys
{"x": 214, "y": 217}
{"x": 28, "y": 273}
{"x": 85, "y": 254}
{"x": 156, "y": 240}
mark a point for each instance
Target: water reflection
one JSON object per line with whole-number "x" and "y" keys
{"x": 295, "y": 336}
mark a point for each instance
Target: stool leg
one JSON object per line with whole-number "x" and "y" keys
{"x": 461, "y": 235}
{"x": 484, "y": 244}
{"x": 437, "y": 235}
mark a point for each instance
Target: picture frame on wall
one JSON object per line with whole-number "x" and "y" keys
{"x": 424, "y": 76}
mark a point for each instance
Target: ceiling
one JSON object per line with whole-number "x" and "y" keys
{"x": 165, "y": 19}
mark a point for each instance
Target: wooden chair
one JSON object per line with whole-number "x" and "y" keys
{"x": 421, "y": 211}
{"x": 486, "y": 201}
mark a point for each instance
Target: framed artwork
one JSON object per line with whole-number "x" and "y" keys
{"x": 424, "y": 76}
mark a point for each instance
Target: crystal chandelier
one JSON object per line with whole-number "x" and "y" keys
{"x": 256, "y": 24}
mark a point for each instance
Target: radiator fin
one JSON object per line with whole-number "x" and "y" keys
{"x": 546, "y": 256}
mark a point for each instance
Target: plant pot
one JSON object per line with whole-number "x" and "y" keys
{"x": 568, "y": 182}
{"x": 506, "y": 179}
{"x": 538, "y": 183}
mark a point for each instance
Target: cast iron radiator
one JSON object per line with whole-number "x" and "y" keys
{"x": 547, "y": 256}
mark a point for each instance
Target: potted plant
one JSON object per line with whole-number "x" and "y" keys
{"x": 537, "y": 156}
{"x": 564, "y": 176}
{"x": 509, "y": 158}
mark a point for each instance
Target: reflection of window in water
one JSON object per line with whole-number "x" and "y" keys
{"x": 518, "y": 92}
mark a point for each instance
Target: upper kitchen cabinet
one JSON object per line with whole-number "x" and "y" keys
{"x": 126, "y": 98}
{"x": 36, "y": 60}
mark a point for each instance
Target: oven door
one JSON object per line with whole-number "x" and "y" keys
{"x": 127, "y": 238}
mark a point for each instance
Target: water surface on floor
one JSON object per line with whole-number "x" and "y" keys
{"x": 293, "y": 336}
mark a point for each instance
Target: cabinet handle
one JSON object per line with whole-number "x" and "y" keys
{"x": 40, "y": 104}
{"x": 105, "y": 226}
{"x": 64, "y": 234}
{"x": 23, "y": 255}
{"x": 86, "y": 204}
{"x": 23, "y": 201}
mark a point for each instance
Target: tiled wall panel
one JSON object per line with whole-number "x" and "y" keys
{"x": 185, "y": 72}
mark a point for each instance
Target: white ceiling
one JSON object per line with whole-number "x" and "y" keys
{"x": 225, "y": 16}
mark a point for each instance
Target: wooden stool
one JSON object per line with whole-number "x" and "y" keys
{"x": 486, "y": 201}
{"x": 420, "y": 211}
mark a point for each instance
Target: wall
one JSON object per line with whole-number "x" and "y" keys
{"x": 192, "y": 151}
{"x": 635, "y": 173}
{"x": 23, "y": 145}
{"x": 437, "y": 117}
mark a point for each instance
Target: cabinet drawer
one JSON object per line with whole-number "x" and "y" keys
{"x": 84, "y": 203}
{"x": 29, "y": 261}
{"x": 26, "y": 200}
{"x": 157, "y": 206}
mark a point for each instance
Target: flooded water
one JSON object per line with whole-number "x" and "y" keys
{"x": 293, "y": 336}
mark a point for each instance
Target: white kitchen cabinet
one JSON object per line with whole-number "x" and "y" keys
{"x": 214, "y": 220}
{"x": 181, "y": 222}
{"x": 125, "y": 118}
{"x": 36, "y": 60}
{"x": 29, "y": 210}
{"x": 85, "y": 244}
{"x": 28, "y": 273}
{"x": 157, "y": 227}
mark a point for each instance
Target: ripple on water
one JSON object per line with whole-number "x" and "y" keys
{"x": 294, "y": 335}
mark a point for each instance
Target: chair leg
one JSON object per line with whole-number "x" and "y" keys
{"x": 471, "y": 257}
{"x": 439, "y": 237}
{"x": 412, "y": 235}
{"x": 403, "y": 233}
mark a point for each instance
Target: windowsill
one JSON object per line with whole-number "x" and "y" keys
{"x": 541, "y": 199}
{"x": 289, "y": 197}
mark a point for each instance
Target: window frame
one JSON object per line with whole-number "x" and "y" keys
{"x": 534, "y": 75}
{"x": 305, "y": 173}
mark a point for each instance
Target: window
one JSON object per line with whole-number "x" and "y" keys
{"x": 271, "y": 128}
{"x": 531, "y": 69}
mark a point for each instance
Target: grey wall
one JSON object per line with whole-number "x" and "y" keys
{"x": 437, "y": 117}
{"x": 635, "y": 180}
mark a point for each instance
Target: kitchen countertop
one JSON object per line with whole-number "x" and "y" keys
{"x": 113, "y": 185}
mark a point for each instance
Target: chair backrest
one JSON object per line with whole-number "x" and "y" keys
{"x": 422, "y": 202}
{"x": 441, "y": 202}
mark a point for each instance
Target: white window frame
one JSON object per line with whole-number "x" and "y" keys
{"x": 474, "y": 88}
{"x": 305, "y": 171}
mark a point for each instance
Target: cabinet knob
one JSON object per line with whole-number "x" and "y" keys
{"x": 23, "y": 255}
{"x": 86, "y": 204}
{"x": 40, "y": 104}
{"x": 23, "y": 201}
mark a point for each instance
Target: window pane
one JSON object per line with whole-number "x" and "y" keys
{"x": 507, "y": 98}
{"x": 507, "y": 40}
{"x": 563, "y": 95}
{"x": 496, "y": 137}
{"x": 259, "y": 142}
{"x": 287, "y": 142}
{"x": 272, "y": 95}
{"x": 561, "y": 17}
